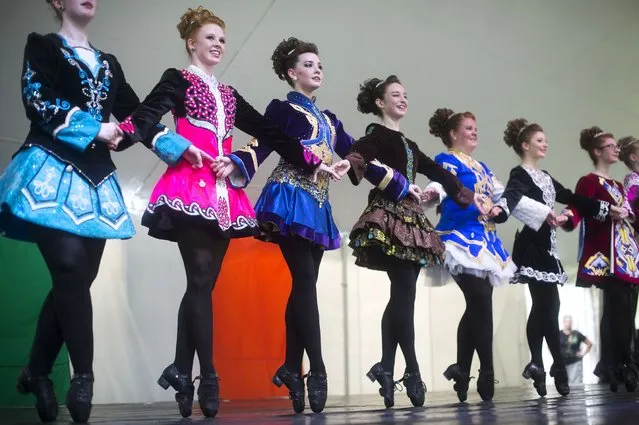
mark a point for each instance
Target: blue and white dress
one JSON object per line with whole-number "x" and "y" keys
{"x": 62, "y": 177}
{"x": 472, "y": 244}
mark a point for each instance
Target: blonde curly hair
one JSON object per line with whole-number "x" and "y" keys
{"x": 194, "y": 19}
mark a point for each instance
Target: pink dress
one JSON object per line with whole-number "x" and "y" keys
{"x": 205, "y": 113}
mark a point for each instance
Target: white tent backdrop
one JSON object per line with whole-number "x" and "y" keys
{"x": 567, "y": 65}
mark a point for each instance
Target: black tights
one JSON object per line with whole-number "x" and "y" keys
{"x": 398, "y": 321}
{"x": 617, "y": 324}
{"x": 475, "y": 331}
{"x": 67, "y": 314}
{"x": 302, "y": 313}
{"x": 202, "y": 255}
{"x": 543, "y": 323}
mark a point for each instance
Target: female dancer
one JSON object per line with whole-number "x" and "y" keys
{"x": 609, "y": 257}
{"x": 394, "y": 235}
{"x": 475, "y": 256}
{"x": 60, "y": 191}
{"x": 194, "y": 208}
{"x": 629, "y": 154}
{"x": 535, "y": 250}
{"x": 294, "y": 211}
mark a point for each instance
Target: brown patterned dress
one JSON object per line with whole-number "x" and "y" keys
{"x": 397, "y": 228}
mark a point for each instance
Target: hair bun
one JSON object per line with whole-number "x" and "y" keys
{"x": 437, "y": 123}
{"x": 281, "y": 56}
{"x": 366, "y": 96}
{"x": 513, "y": 130}
{"x": 588, "y": 137}
{"x": 193, "y": 19}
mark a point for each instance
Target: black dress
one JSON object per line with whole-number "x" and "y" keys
{"x": 535, "y": 250}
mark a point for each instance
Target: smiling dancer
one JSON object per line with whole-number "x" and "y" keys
{"x": 194, "y": 208}
{"x": 475, "y": 256}
{"x": 60, "y": 191}
{"x": 535, "y": 247}
{"x": 609, "y": 258}
{"x": 294, "y": 211}
{"x": 394, "y": 235}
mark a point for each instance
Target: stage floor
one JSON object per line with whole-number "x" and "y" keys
{"x": 590, "y": 405}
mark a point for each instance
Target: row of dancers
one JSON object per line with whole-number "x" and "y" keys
{"x": 60, "y": 192}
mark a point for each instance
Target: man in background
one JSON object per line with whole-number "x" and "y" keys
{"x": 571, "y": 341}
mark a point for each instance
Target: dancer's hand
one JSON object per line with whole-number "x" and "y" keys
{"x": 480, "y": 203}
{"x": 416, "y": 192}
{"x": 342, "y": 167}
{"x": 323, "y": 168}
{"x": 223, "y": 167}
{"x": 561, "y": 220}
{"x": 196, "y": 156}
{"x": 429, "y": 194}
{"x": 110, "y": 134}
{"x": 618, "y": 213}
{"x": 495, "y": 211}
{"x": 551, "y": 219}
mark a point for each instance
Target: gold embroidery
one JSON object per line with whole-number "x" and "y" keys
{"x": 597, "y": 265}
{"x": 249, "y": 148}
{"x": 387, "y": 177}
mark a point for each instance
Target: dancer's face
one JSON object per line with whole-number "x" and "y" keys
{"x": 208, "y": 44}
{"x": 465, "y": 137}
{"x": 395, "y": 102}
{"x": 307, "y": 75}
{"x": 81, "y": 11}
{"x": 608, "y": 151}
{"x": 536, "y": 146}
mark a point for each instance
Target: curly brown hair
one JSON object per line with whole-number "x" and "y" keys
{"x": 519, "y": 131}
{"x": 371, "y": 90}
{"x": 627, "y": 146}
{"x": 286, "y": 55}
{"x": 591, "y": 139}
{"x": 194, "y": 19}
{"x": 445, "y": 120}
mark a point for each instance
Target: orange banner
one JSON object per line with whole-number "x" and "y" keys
{"x": 249, "y": 302}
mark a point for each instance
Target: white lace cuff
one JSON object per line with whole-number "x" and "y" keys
{"x": 530, "y": 212}
{"x": 604, "y": 209}
{"x": 437, "y": 200}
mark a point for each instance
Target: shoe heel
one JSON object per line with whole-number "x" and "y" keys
{"x": 163, "y": 382}
{"x": 277, "y": 381}
{"x": 448, "y": 374}
{"x": 370, "y": 375}
{"x": 526, "y": 374}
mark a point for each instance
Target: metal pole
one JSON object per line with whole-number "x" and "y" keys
{"x": 344, "y": 254}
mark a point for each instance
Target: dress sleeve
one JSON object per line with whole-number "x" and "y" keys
{"x": 273, "y": 136}
{"x": 514, "y": 201}
{"x": 586, "y": 206}
{"x": 143, "y": 125}
{"x": 44, "y": 105}
{"x": 586, "y": 188}
{"x": 449, "y": 182}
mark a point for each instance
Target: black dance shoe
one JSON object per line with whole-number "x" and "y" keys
{"x": 317, "y": 386}
{"x": 42, "y": 388}
{"x": 80, "y": 396}
{"x": 538, "y": 375}
{"x": 385, "y": 380}
{"x": 561, "y": 379}
{"x": 486, "y": 384}
{"x": 295, "y": 386}
{"x": 461, "y": 378}
{"x": 628, "y": 373}
{"x": 181, "y": 383}
{"x": 208, "y": 394}
{"x": 415, "y": 388}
